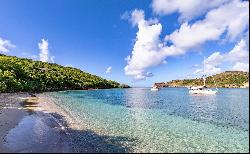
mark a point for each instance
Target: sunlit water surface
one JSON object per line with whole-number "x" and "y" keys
{"x": 169, "y": 120}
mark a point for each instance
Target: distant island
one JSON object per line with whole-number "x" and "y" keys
{"x": 228, "y": 79}
{"x": 26, "y": 75}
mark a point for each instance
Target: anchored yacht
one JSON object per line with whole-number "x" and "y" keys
{"x": 203, "y": 89}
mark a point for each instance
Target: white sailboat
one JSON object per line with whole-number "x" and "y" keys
{"x": 202, "y": 89}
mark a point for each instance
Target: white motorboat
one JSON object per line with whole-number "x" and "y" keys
{"x": 154, "y": 88}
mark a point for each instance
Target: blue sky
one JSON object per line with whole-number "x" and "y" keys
{"x": 96, "y": 34}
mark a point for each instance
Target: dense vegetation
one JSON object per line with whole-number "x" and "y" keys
{"x": 228, "y": 79}
{"x": 20, "y": 74}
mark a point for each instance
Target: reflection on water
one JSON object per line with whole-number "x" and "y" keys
{"x": 33, "y": 134}
{"x": 169, "y": 120}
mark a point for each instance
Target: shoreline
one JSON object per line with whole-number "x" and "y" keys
{"x": 10, "y": 116}
{"x": 31, "y": 119}
{"x": 41, "y": 125}
{"x": 81, "y": 138}
{"x": 246, "y": 87}
{"x": 64, "y": 118}
{"x": 38, "y": 123}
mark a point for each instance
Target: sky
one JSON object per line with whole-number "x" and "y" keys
{"x": 133, "y": 42}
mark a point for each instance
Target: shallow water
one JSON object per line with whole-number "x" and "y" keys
{"x": 36, "y": 134}
{"x": 169, "y": 120}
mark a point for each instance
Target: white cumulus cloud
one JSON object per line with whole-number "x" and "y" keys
{"x": 44, "y": 55}
{"x": 5, "y": 45}
{"x": 109, "y": 69}
{"x": 241, "y": 67}
{"x": 149, "y": 50}
{"x": 231, "y": 18}
{"x": 188, "y": 9}
{"x": 238, "y": 57}
{"x": 44, "y": 50}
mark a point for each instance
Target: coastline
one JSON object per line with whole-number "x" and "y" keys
{"x": 245, "y": 86}
{"x": 80, "y": 137}
{"x": 43, "y": 130}
{"x": 40, "y": 125}
{"x": 60, "y": 115}
{"x": 10, "y": 116}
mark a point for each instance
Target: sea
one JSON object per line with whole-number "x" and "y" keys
{"x": 168, "y": 120}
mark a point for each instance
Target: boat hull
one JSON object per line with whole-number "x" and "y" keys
{"x": 154, "y": 89}
{"x": 209, "y": 92}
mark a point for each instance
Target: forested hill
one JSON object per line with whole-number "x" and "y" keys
{"x": 20, "y": 74}
{"x": 228, "y": 79}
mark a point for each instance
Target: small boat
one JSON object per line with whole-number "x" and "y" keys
{"x": 154, "y": 88}
{"x": 203, "y": 89}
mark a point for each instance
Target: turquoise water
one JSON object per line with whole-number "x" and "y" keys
{"x": 169, "y": 120}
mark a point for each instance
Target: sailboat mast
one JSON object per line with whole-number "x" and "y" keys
{"x": 204, "y": 76}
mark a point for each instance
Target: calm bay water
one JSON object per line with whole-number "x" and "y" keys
{"x": 169, "y": 120}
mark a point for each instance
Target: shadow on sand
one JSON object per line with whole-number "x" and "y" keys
{"x": 79, "y": 141}
{"x": 88, "y": 141}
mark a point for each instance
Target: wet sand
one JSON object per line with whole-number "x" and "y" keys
{"x": 40, "y": 125}
{"x": 80, "y": 138}
{"x": 26, "y": 126}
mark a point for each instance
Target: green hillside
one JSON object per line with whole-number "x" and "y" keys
{"x": 20, "y": 74}
{"x": 228, "y": 79}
